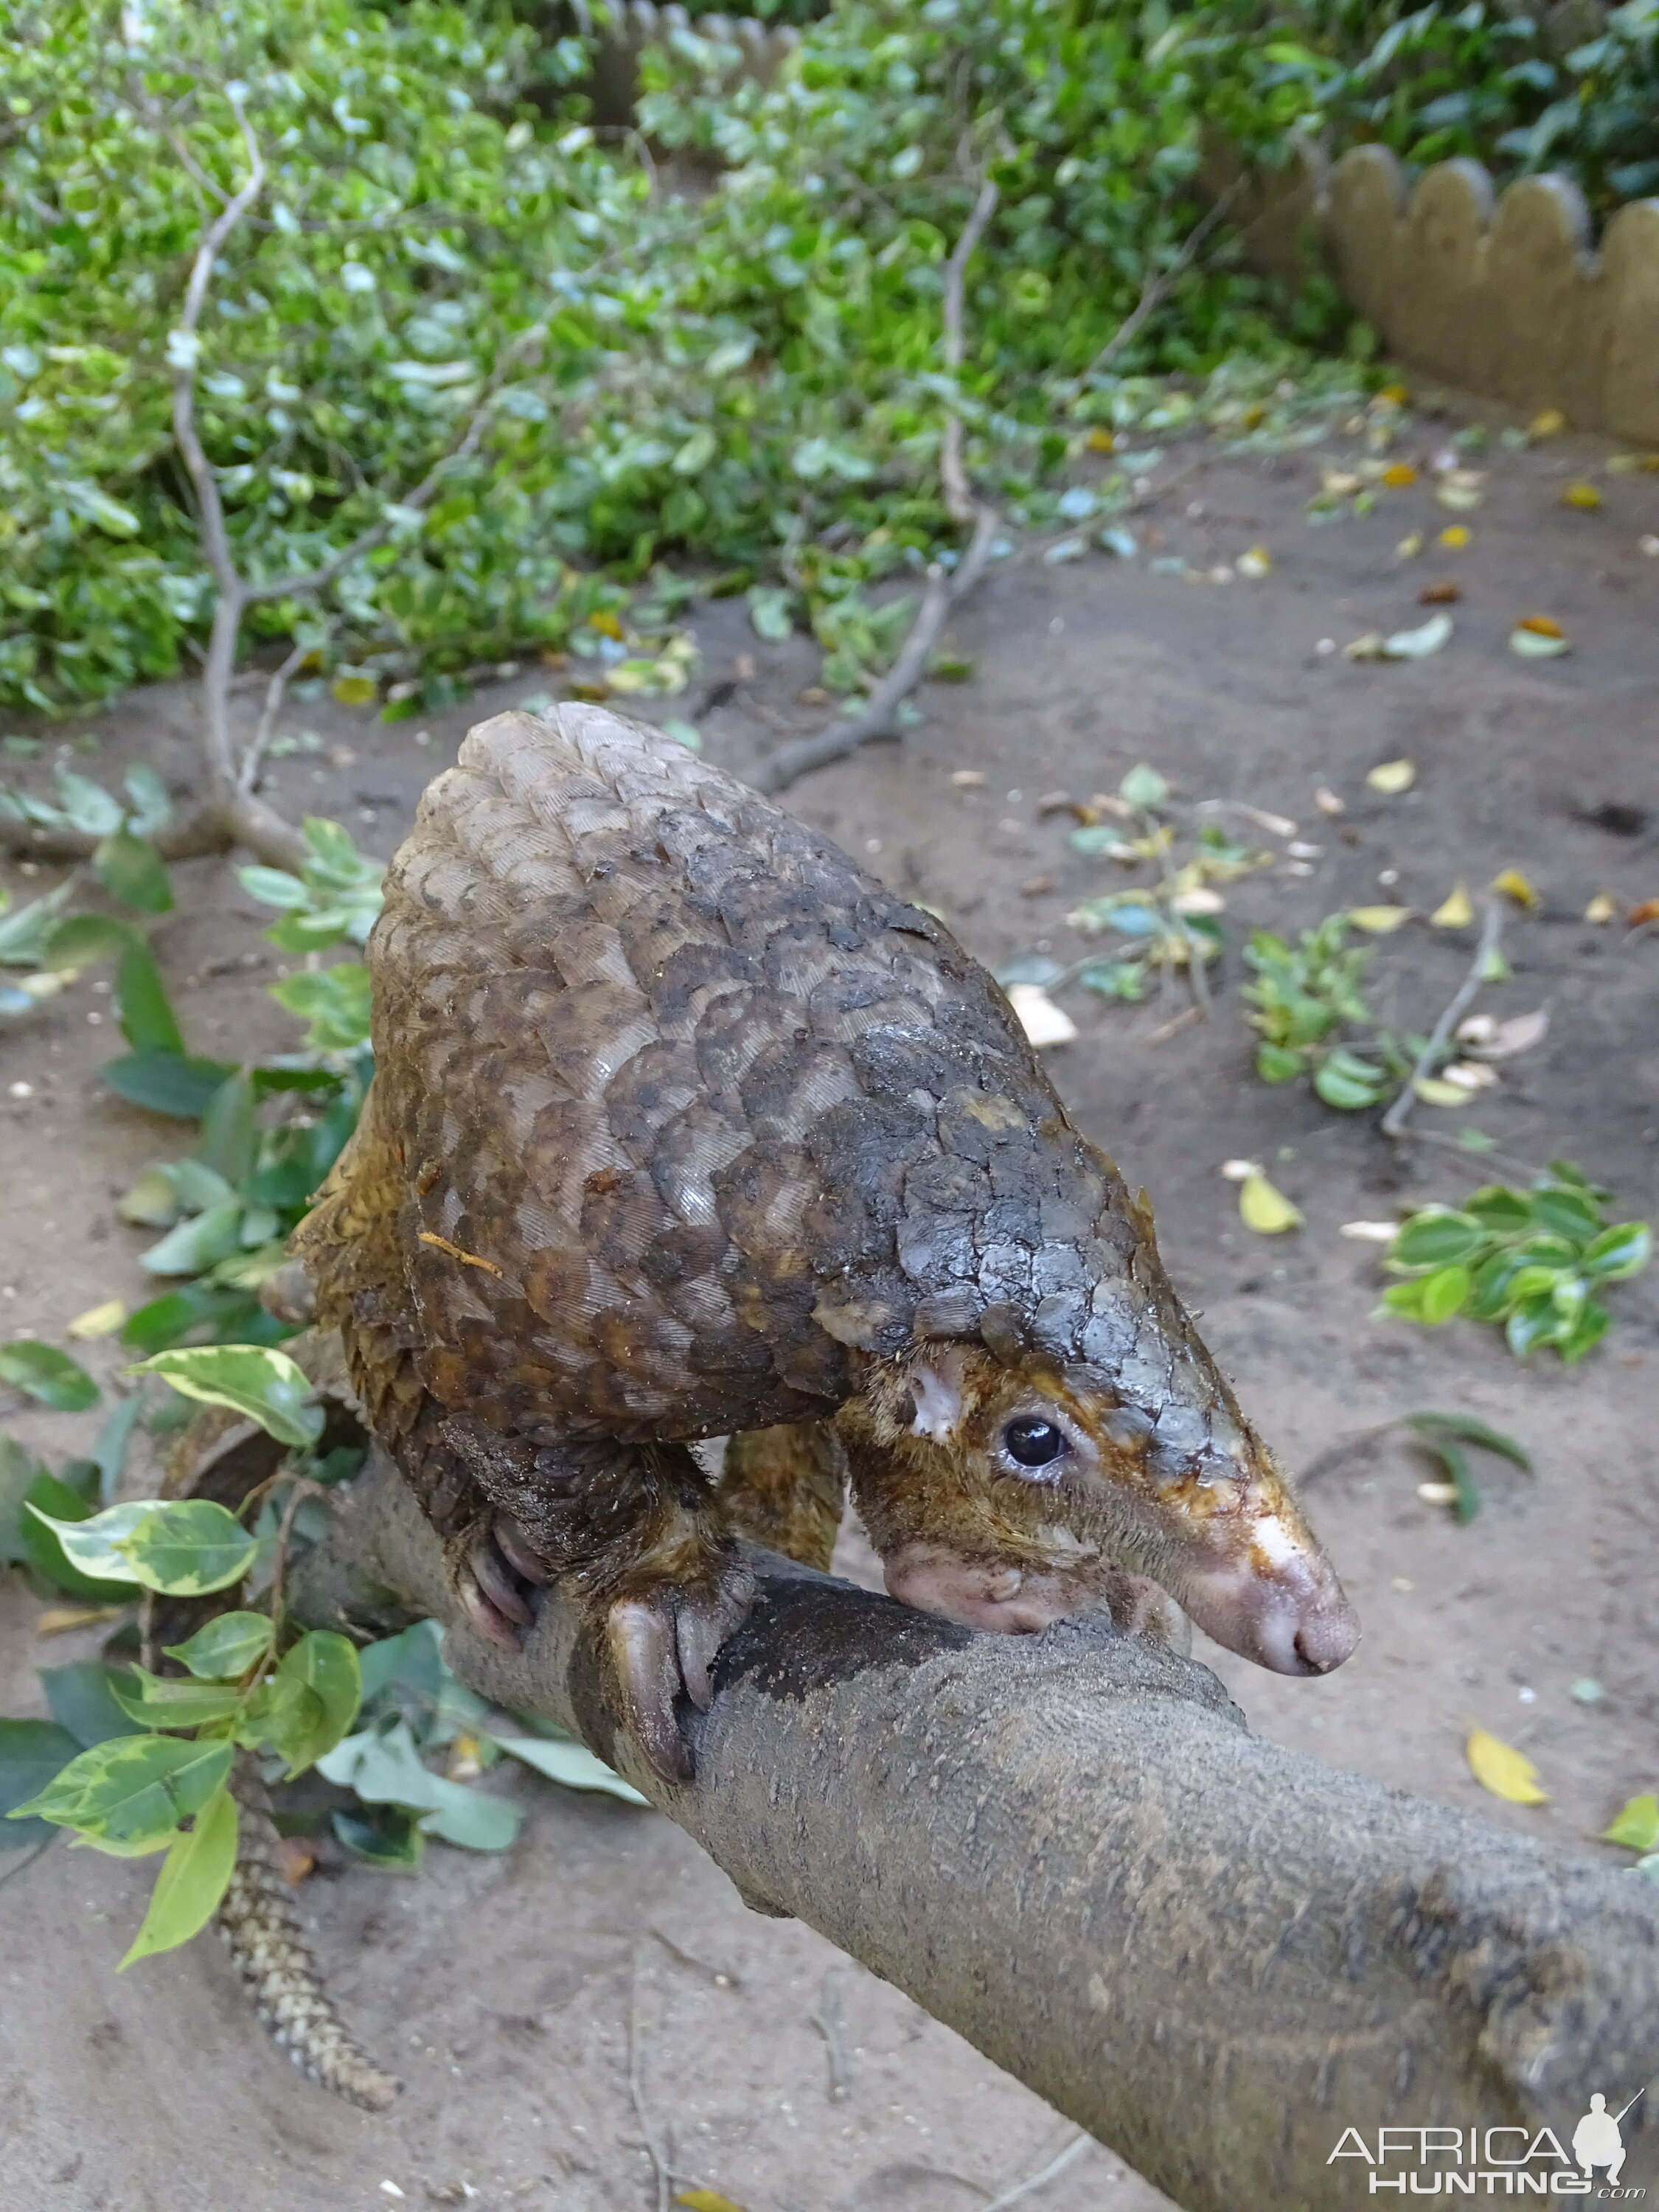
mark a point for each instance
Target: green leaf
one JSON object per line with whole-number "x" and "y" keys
{"x": 83, "y": 1699}
{"x": 148, "y": 1021}
{"x": 31, "y": 1752}
{"x": 386, "y": 1769}
{"x": 1443, "y": 1293}
{"x": 42, "y": 1371}
{"x": 1348, "y": 1083}
{"x": 1636, "y": 1826}
{"x": 132, "y": 870}
{"x": 273, "y": 887}
{"x": 1502, "y": 1212}
{"x": 228, "y": 1138}
{"x": 1472, "y": 1431}
{"x": 18, "y": 1470}
{"x": 187, "y": 1546}
{"x": 53, "y": 1512}
{"x": 1274, "y": 1064}
{"x": 226, "y": 1648}
{"x": 385, "y": 1836}
{"x": 1534, "y": 1322}
{"x": 168, "y": 1082}
{"x": 87, "y": 1539}
{"x": 1451, "y": 1457}
{"x": 255, "y": 1380}
{"x": 1618, "y": 1252}
{"x": 134, "y": 1789}
{"x": 1144, "y": 787}
{"x": 326, "y": 1664}
{"x": 194, "y": 1877}
{"x": 1585, "y": 1333}
{"x": 570, "y": 1763}
{"x": 1405, "y": 1299}
{"x": 1566, "y": 1213}
{"x": 162, "y": 1702}
{"x": 1437, "y": 1239}
{"x": 335, "y": 1002}
{"x": 192, "y": 1247}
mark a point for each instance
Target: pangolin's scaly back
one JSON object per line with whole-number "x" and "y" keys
{"x": 673, "y": 1105}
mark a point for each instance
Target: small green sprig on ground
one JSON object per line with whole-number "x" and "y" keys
{"x": 1309, "y": 1000}
{"x": 1531, "y": 1262}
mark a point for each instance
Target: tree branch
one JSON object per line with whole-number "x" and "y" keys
{"x": 1212, "y": 1953}
{"x": 1159, "y": 283}
{"x": 1491, "y": 932}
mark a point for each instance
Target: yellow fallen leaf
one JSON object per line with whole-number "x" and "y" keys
{"x": 1379, "y": 921}
{"x": 1549, "y": 424}
{"x": 1583, "y": 496}
{"x": 1098, "y": 441}
{"x": 1456, "y": 911}
{"x": 1508, "y": 1774}
{"x": 1513, "y": 885}
{"x": 354, "y": 690}
{"x": 1255, "y": 562}
{"x": 607, "y": 624}
{"x": 1264, "y": 1209}
{"x": 97, "y": 1320}
{"x": 1396, "y": 394}
{"x": 59, "y": 1620}
{"x": 1456, "y": 537}
{"x": 1409, "y": 548}
{"x": 1398, "y": 474}
{"x": 1392, "y": 777}
{"x": 1433, "y": 1092}
{"x": 707, "y": 2200}
{"x": 1602, "y": 908}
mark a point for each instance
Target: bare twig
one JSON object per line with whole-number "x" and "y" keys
{"x": 1160, "y": 282}
{"x": 1021, "y": 2189}
{"x": 942, "y": 592}
{"x": 959, "y": 501}
{"x": 1491, "y": 931}
{"x": 827, "y": 2021}
{"x": 303, "y": 1488}
{"x": 659, "y": 2163}
{"x": 1512, "y": 1161}
{"x": 248, "y": 775}
{"x": 189, "y": 839}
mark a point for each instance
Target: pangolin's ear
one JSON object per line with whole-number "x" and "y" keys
{"x": 936, "y": 1386}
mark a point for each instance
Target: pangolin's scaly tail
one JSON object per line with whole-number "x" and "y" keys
{"x": 262, "y": 1933}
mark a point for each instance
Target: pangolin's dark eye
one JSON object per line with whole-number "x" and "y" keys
{"x": 1031, "y": 1442}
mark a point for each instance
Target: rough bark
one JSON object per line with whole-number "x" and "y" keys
{"x": 1214, "y": 1954}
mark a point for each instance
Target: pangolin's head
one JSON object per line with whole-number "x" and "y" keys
{"x": 1006, "y": 1482}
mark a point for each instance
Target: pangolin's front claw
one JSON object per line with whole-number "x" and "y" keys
{"x": 663, "y": 1642}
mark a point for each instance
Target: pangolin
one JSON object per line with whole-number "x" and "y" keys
{"x": 683, "y": 1126}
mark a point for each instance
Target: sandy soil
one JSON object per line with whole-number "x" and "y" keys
{"x": 505, "y": 1990}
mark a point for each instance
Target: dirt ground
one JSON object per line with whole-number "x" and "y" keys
{"x": 505, "y": 1990}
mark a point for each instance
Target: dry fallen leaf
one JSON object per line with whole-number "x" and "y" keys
{"x": 1639, "y": 916}
{"x": 706, "y": 2200}
{"x": 1337, "y": 483}
{"x": 97, "y": 1320}
{"x": 1256, "y": 562}
{"x": 968, "y": 779}
{"x": 1470, "y": 1075}
{"x": 1409, "y": 548}
{"x": 1439, "y": 595}
{"x": 296, "y": 1857}
{"x": 1489, "y": 1040}
{"x": 1328, "y": 802}
{"x": 1200, "y": 900}
{"x": 1371, "y": 1232}
{"x": 1239, "y": 1170}
{"x": 1098, "y": 441}
{"x": 1508, "y": 1774}
{"x": 1462, "y": 499}
{"x": 1456, "y": 910}
{"x": 1583, "y": 496}
{"x": 1650, "y": 545}
{"x": 1379, "y": 921}
{"x": 1264, "y": 1209}
{"x": 1437, "y": 1493}
{"x": 1398, "y": 474}
{"x": 1456, "y": 537}
{"x": 1549, "y": 424}
{"x": 1392, "y": 777}
{"x": 1513, "y": 885}
{"x": 1541, "y": 625}
{"x": 1044, "y": 1022}
{"x": 1602, "y": 908}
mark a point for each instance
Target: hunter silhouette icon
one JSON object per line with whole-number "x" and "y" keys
{"x": 1596, "y": 2140}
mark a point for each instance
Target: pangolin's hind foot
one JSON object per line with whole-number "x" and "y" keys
{"x": 496, "y": 1578}
{"x": 663, "y": 1635}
